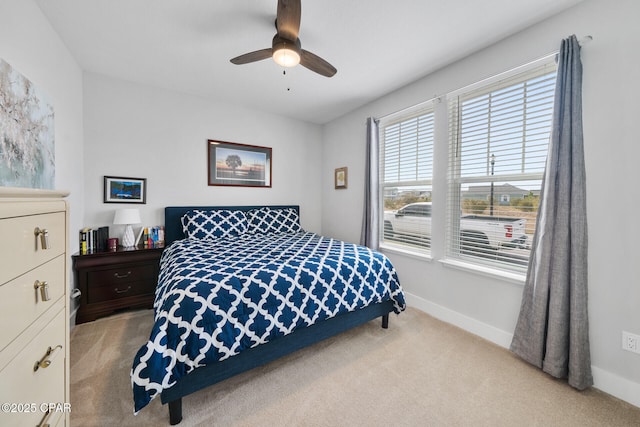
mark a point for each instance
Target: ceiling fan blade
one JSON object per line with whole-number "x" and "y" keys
{"x": 316, "y": 64}
{"x": 288, "y": 19}
{"x": 257, "y": 55}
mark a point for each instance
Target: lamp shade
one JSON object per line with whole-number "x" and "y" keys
{"x": 286, "y": 57}
{"x": 127, "y": 216}
{"x": 286, "y": 53}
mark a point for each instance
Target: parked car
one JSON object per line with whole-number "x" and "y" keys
{"x": 478, "y": 233}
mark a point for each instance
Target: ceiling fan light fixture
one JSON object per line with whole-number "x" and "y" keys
{"x": 285, "y": 56}
{"x": 286, "y": 49}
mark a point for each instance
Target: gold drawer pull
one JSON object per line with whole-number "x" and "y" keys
{"x": 45, "y": 420}
{"x": 44, "y": 290}
{"x": 44, "y": 238}
{"x": 122, "y": 291}
{"x": 122, "y": 276}
{"x": 47, "y": 359}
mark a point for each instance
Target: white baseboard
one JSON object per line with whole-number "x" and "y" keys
{"x": 606, "y": 381}
{"x": 616, "y": 386}
{"x": 72, "y": 319}
{"x": 488, "y": 332}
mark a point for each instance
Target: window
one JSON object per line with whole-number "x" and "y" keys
{"x": 406, "y": 156}
{"x": 498, "y": 140}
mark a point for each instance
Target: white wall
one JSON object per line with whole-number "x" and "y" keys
{"x": 489, "y": 306}
{"x": 30, "y": 45}
{"x": 139, "y": 131}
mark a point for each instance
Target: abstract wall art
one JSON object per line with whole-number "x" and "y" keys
{"x": 27, "y": 151}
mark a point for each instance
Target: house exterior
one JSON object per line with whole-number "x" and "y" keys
{"x": 503, "y": 194}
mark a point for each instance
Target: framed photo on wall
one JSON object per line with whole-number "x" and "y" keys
{"x": 239, "y": 165}
{"x": 119, "y": 189}
{"x": 340, "y": 178}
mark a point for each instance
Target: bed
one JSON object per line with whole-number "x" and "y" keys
{"x": 242, "y": 286}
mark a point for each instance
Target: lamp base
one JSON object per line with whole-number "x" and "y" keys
{"x": 128, "y": 239}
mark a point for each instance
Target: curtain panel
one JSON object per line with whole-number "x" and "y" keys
{"x": 370, "y": 233}
{"x": 552, "y": 331}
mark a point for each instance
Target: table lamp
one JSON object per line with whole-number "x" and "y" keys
{"x": 127, "y": 217}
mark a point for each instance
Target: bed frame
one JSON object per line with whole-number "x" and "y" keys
{"x": 211, "y": 374}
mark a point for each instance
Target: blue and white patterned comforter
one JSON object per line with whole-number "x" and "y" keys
{"x": 216, "y": 298}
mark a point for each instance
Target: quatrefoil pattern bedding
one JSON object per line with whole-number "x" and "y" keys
{"x": 216, "y": 298}
{"x": 217, "y": 223}
{"x": 267, "y": 220}
{"x": 213, "y": 224}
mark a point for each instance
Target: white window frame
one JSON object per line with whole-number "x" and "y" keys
{"x": 408, "y": 247}
{"x": 456, "y": 179}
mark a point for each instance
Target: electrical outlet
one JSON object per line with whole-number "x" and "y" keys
{"x": 630, "y": 342}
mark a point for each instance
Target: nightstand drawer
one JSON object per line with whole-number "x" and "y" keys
{"x": 121, "y": 282}
{"x": 112, "y": 281}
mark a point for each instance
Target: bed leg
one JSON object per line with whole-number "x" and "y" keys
{"x": 175, "y": 411}
{"x": 385, "y": 321}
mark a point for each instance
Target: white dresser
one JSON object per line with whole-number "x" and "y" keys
{"x": 34, "y": 313}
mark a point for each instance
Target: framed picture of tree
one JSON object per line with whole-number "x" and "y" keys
{"x": 241, "y": 165}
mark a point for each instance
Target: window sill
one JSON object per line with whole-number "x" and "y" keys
{"x": 517, "y": 278}
{"x": 392, "y": 249}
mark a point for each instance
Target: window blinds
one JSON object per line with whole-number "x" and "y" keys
{"x": 406, "y": 156}
{"x": 498, "y": 139}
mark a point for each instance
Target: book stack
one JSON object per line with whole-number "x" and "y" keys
{"x": 93, "y": 240}
{"x": 151, "y": 237}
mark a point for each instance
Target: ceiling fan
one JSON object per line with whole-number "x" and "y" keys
{"x": 285, "y": 47}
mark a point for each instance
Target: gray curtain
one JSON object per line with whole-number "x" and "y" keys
{"x": 552, "y": 332}
{"x": 370, "y": 234}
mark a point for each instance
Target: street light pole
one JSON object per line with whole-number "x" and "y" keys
{"x": 493, "y": 162}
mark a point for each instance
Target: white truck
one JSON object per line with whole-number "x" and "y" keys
{"x": 478, "y": 233}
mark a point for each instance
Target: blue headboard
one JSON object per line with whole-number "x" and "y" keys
{"x": 173, "y": 214}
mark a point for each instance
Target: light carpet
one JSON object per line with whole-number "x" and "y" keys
{"x": 419, "y": 372}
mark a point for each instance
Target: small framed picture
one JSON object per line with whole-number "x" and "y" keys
{"x": 341, "y": 178}
{"x": 119, "y": 189}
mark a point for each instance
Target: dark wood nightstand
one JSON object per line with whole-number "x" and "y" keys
{"x": 110, "y": 281}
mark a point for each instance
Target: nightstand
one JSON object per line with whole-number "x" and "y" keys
{"x": 110, "y": 281}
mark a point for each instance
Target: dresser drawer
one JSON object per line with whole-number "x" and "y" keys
{"x": 21, "y": 303}
{"x": 22, "y": 385}
{"x": 21, "y": 248}
{"x": 121, "y": 282}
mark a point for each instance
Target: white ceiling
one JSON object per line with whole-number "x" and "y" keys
{"x": 376, "y": 45}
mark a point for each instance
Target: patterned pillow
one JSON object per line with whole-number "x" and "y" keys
{"x": 214, "y": 224}
{"x": 267, "y": 220}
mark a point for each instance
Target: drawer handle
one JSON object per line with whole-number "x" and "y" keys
{"x": 122, "y": 291}
{"x": 44, "y": 238}
{"x": 45, "y": 420}
{"x": 47, "y": 359}
{"x": 122, "y": 276}
{"x": 44, "y": 290}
